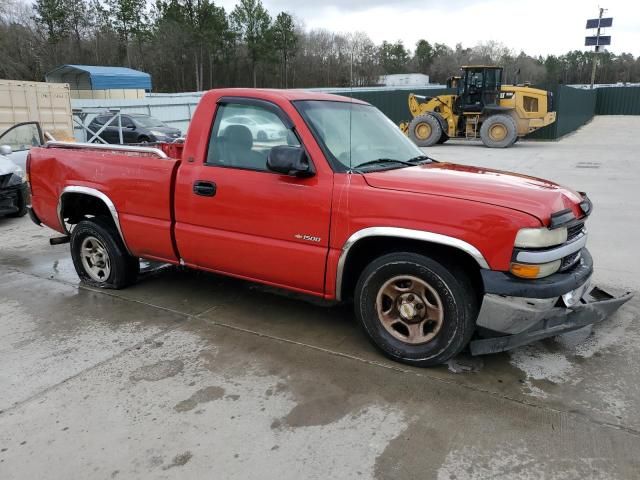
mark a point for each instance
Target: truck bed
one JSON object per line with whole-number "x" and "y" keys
{"x": 137, "y": 180}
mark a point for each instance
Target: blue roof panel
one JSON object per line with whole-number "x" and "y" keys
{"x": 105, "y": 78}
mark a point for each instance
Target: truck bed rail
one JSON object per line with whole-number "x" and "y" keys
{"x": 118, "y": 148}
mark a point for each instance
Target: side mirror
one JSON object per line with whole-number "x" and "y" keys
{"x": 5, "y": 150}
{"x": 290, "y": 160}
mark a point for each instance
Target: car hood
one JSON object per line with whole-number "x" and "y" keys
{"x": 7, "y": 166}
{"x": 531, "y": 195}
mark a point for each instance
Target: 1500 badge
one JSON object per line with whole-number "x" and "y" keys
{"x": 308, "y": 238}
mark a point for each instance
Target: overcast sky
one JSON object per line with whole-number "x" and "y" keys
{"x": 537, "y": 27}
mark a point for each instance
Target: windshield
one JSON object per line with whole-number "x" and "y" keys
{"x": 373, "y": 136}
{"x": 148, "y": 122}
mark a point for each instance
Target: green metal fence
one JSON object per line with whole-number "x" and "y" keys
{"x": 574, "y": 106}
{"x": 618, "y": 101}
{"x": 393, "y": 103}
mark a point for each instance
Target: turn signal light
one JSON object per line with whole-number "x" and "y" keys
{"x": 525, "y": 270}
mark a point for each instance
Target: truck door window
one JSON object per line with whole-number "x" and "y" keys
{"x": 243, "y": 136}
{"x": 22, "y": 137}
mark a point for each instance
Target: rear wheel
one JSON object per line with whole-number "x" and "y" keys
{"x": 414, "y": 309}
{"x": 425, "y": 130}
{"x": 498, "y": 131}
{"x": 99, "y": 256}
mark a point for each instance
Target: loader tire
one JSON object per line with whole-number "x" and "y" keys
{"x": 425, "y": 130}
{"x": 498, "y": 131}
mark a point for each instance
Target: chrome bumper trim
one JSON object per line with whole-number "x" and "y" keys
{"x": 547, "y": 256}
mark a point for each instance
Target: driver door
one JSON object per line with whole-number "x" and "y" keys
{"x": 129, "y": 130}
{"x": 235, "y": 216}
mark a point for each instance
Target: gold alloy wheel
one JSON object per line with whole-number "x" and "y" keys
{"x": 423, "y": 131}
{"x": 410, "y": 309}
{"x": 497, "y": 132}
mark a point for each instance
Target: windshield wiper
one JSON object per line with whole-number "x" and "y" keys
{"x": 420, "y": 159}
{"x": 378, "y": 161}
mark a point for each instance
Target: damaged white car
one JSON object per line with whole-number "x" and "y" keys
{"x": 14, "y": 191}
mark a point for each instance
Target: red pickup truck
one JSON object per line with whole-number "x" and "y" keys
{"x": 324, "y": 195}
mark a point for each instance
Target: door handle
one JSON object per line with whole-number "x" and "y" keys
{"x": 205, "y": 189}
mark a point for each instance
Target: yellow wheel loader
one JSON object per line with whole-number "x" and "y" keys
{"x": 481, "y": 108}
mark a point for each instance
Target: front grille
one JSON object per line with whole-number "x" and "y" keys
{"x": 574, "y": 230}
{"x": 570, "y": 261}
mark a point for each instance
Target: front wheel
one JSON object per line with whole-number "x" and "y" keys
{"x": 414, "y": 309}
{"x": 425, "y": 130}
{"x": 498, "y": 131}
{"x": 99, "y": 256}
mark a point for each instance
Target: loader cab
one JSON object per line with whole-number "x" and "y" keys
{"x": 479, "y": 87}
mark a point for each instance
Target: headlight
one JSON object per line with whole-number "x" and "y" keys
{"x": 540, "y": 237}
{"x": 156, "y": 133}
{"x": 525, "y": 270}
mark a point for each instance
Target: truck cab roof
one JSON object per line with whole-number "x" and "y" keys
{"x": 274, "y": 94}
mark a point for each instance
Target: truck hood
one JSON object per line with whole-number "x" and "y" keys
{"x": 531, "y": 195}
{"x": 7, "y": 166}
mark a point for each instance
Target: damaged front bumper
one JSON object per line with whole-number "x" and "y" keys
{"x": 12, "y": 198}
{"x": 516, "y": 313}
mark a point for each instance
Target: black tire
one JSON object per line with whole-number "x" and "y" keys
{"x": 123, "y": 268}
{"x": 425, "y": 130}
{"x": 457, "y": 299}
{"x": 261, "y": 137}
{"x": 500, "y": 123}
{"x": 144, "y": 139}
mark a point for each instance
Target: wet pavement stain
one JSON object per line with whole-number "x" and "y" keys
{"x": 208, "y": 359}
{"x": 279, "y": 388}
{"x": 179, "y": 460}
{"x": 464, "y": 363}
{"x": 207, "y": 394}
{"x": 409, "y": 455}
{"x": 319, "y": 411}
{"x": 157, "y": 371}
